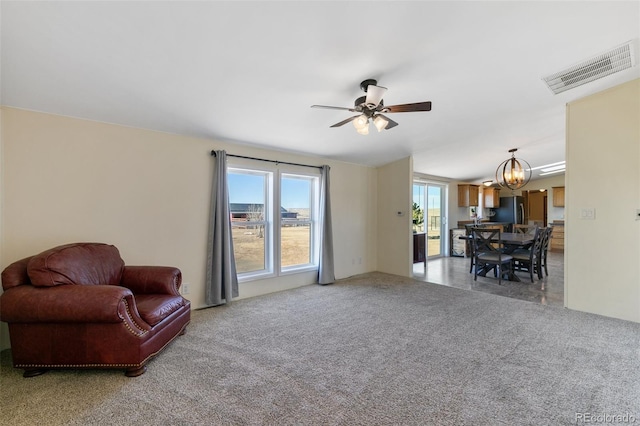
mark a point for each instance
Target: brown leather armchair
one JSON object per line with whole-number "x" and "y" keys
{"x": 79, "y": 306}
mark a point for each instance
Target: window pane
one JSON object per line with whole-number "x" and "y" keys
{"x": 295, "y": 220}
{"x": 296, "y": 243}
{"x": 247, "y": 200}
{"x": 433, "y": 225}
{"x": 248, "y": 248}
{"x": 418, "y": 207}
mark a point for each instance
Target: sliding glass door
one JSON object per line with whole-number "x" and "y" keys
{"x": 429, "y": 215}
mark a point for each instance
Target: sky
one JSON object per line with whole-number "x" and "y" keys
{"x": 433, "y": 195}
{"x": 245, "y": 188}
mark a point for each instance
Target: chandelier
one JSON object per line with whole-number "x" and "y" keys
{"x": 512, "y": 174}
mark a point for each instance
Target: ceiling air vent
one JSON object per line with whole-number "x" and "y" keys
{"x": 612, "y": 61}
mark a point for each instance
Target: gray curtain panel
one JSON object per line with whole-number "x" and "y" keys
{"x": 326, "y": 273}
{"x": 222, "y": 280}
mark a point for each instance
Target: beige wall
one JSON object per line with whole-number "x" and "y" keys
{"x": 395, "y": 242}
{"x": 66, "y": 180}
{"x": 602, "y": 268}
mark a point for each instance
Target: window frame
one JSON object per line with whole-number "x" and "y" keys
{"x": 314, "y": 226}
{"x": 267, "y": 221}
{"x": 273, "y": 218}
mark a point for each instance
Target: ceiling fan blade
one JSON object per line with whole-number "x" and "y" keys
{"x": 418, "y": 106}
{"x": 391, "y": 123}
{"x": 333, "y": 107}
{"x": 374, "y": 95}
{"x": 348, "y": 120}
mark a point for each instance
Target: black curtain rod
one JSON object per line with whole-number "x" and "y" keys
{"x": 213, "y": 152}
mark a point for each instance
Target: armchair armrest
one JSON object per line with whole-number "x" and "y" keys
{"x": 152, "y": 279}
{"x": 72, "y": 304}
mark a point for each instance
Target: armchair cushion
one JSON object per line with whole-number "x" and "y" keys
{"x": 78, "y": 263}
{"x": 153, "y": 308}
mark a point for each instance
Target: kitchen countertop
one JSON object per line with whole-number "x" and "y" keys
{"x": 461, "y": 223}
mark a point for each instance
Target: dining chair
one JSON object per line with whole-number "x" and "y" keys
{"x": 527, "y": 230}
{"x": 524, "y": 229}
{"x": 488, "y": 253}
{"x": 529, "y": 259}
{"x": 469, "y": 232}
{"x": 544, "y": 248}
{"x": 469, "y": 229}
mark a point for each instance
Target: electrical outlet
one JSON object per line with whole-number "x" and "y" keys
{"x": 184, "y": 288}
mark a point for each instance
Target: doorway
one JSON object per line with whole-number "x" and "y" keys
{"x": 537, "y": 207}
{"x": 429, "y": 200}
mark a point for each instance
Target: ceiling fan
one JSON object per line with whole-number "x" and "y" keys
{"x": 371, "y": 107}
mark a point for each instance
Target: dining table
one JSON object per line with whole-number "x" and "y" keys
{"x": 510, "y": 242}
{"x": 514, "y": 240}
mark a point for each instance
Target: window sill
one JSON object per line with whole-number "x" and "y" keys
{"x": 269, "y": 275}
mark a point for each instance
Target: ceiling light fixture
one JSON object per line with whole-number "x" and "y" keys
{"x": 371, "y": 107}
{"x": 550, "y": 173}
{"x": 361, "y": 122}
{"x": 364, "y": 130}
{"x": 374, "y": 94}
{"x": 487, "y": 183}
{"x": 553, "y": 169}
{"x": 511, "y": 173}
{"x": 380, "y": 123}
{"x": 563, "y": 163}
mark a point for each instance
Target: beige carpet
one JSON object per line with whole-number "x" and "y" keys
{"x": 372, "y": 349}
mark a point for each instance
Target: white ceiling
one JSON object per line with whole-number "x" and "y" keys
{"x": 248, "y": 72}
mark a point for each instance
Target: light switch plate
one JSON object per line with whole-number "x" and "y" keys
{"x": 588, "y": 213}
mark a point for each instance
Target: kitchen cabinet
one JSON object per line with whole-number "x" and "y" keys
{"x": 491, "y": 197}
{"x": 558, "y": 196}
{"x": 458, "y": 246}
{"x": 557, "y": 236}
{"x": 419, "y": 248}
{"x": 467, "y": 195}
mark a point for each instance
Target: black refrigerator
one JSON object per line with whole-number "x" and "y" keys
{"x": 511, "y": 210}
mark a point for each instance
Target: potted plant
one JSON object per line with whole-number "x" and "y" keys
{"x": 418, "y": 217}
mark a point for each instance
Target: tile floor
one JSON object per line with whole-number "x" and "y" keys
{"x": 454, "y": 272}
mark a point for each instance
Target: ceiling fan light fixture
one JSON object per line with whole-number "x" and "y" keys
{"x": 361, "y": 122}
{"x": 374, "y": 95}
{"x": 380, "y": 123}
{"x": 372, "y": 106}
{"x": 363, "y": 130}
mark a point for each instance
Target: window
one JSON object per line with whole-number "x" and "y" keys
{"x": 296, "y": 220}
{"x": 249, "y": 193}
{"x": 273, "y": 221}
